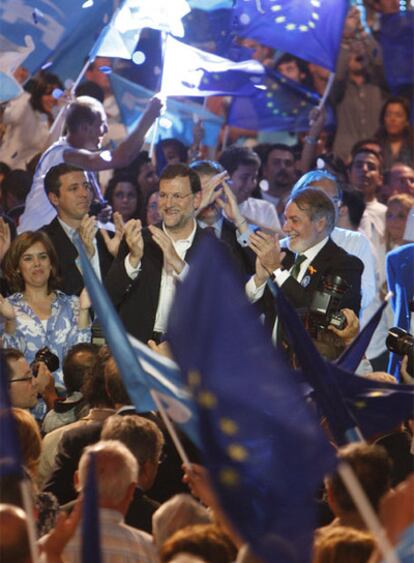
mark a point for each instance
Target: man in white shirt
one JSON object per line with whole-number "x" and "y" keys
{"x": 366, "y": 176}
{"x": 116, "y": 479}
{"x": 243, "y": 165}
{"x": 141, "y": 281}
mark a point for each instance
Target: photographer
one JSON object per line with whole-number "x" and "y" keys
{"x": 311, "y": 256}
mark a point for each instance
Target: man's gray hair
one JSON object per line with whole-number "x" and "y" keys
{"x": 316, "y": 204}
{"x": 116, "y": 469}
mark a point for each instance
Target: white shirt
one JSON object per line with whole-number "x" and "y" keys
{"x": 373, "y": 226}
{"x": 260, "y": 212}
{"x": 281, "y": 276}
{"x": 168, "y": 279}
{"x": 71, "y": 232}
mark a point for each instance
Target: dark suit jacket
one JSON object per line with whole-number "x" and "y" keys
{"x": 137, "y": 300}
{"x": 330, "y": 260}
{"x": 72, "y": 281}
{"x": 244, "y": 258}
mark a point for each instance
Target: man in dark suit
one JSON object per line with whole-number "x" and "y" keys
{"x": 210, "y": 215}
{"x": 70, "y": 192}
{"x": 142, "y": 279}
{"x": 311, "y": 256}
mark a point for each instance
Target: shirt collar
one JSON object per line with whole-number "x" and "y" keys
{"x": 312, "y": 252}
{"x": 70, "y": 231}
{"x": 188, "y": 240}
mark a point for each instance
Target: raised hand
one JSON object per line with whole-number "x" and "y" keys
{"x": 6, "y": 309}
{"x": 87, "y": 232}
{"x": 5, "y": 238}
{"x": 170, "y": 254}
{"x": 134, "y": 240}
{"x": 211, "y": 190}
{"x": 112, "y": 244}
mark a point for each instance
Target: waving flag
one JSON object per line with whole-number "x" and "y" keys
{"x": 347, "y": 400}
{"x": 282, "y": 105}
{"x": 141, "y": 369}
{"x": 91, "y": 539}
{"x": 262, "y": 444}
{"x": 203, "y": 74}
{"x": 178, "y": 119}
{"x": 55, "y": 29}
{"x": 309, "y": 29}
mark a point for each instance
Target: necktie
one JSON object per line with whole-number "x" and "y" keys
{"x": 210, "y": 230}
{"x": 296, "y": 266}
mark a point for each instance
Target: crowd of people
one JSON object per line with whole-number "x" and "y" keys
{"x": 328, "y": 216}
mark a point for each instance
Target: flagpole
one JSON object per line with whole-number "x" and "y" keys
{"x": 72, "y": 92}
{"x": 327, "y": 90}
{"x": 171, "y": 430}
{"x": 367, "y": 513}
{"x": 29, "y": 509}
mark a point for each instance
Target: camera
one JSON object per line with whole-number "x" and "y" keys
{"x": 401, "y": 343}
{"x": 47, "y": 357}
{"x": 326, "y": 304}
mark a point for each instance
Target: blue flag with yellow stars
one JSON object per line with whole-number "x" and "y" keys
{"x": 397, "y": 39}
{"x": 348, "y": 401}
{"x": 280, "y": 104}
{"x": 309, "y": 29}
{"x": 261, "y": 442}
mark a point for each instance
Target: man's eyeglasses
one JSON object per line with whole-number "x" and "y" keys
{"x": 175, "y": 197}
{"x": 28, "y": 378}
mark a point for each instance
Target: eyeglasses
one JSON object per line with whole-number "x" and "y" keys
{"x": 29, "y": 378}
{"x": 175, "y": 197}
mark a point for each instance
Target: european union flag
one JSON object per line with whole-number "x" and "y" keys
{"x": 309, "y": 29}
{"x": 10, "y": 458}
{"x": 280, "y": 104}
{"x": 210, "y": 30}
{"x": 347, "y": 400}
{"x": 397, "y": 40}
{"x": 262, "y": 443}
{"x": 176, "y": 121}
{"x": 91, "y": 539}
{"x": 141, "y": 369}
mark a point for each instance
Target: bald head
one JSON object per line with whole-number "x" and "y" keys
{"x": 14, "y": 541}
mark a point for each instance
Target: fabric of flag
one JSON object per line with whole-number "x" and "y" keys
{"x": 397, "y": 40}
{"x": 352, "y": 356}
{"x": 211, "y": 30}
{"x": 141, "y": 369}
{"x": 347, "y": 400}
{"x": 316, "y": 370}
{"x": 261, "y": 442}
{"x": 91, "y": 539}
{"x": 62, "y": 32}
{"x": 176, "y": 121}
{"x": 282, "y": 105}
{"x": 9, "y": 88}
{"x": 10, "y": 456}
{"x": 120, "y": 37}
{"x": 309, "y": 29}
{"x": 205, "y": 74}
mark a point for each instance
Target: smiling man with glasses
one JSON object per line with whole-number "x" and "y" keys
{"x": 142, "y": 280}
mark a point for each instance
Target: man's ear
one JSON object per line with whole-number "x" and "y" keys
{"x": 343, "y": 211}
{"x": 54, "y": 199}
{"x": 76, "y": 482}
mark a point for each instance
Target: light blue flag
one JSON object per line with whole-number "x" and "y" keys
{"x": 141, "y": 369}
{"x": 178, "y": 119}
{"x": 309, "y": 29}
{"x": 189, "y": 71}
{"x": 62, "y": 32}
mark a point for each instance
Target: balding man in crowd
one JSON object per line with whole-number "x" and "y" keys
{"x": 86, "y": 126}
